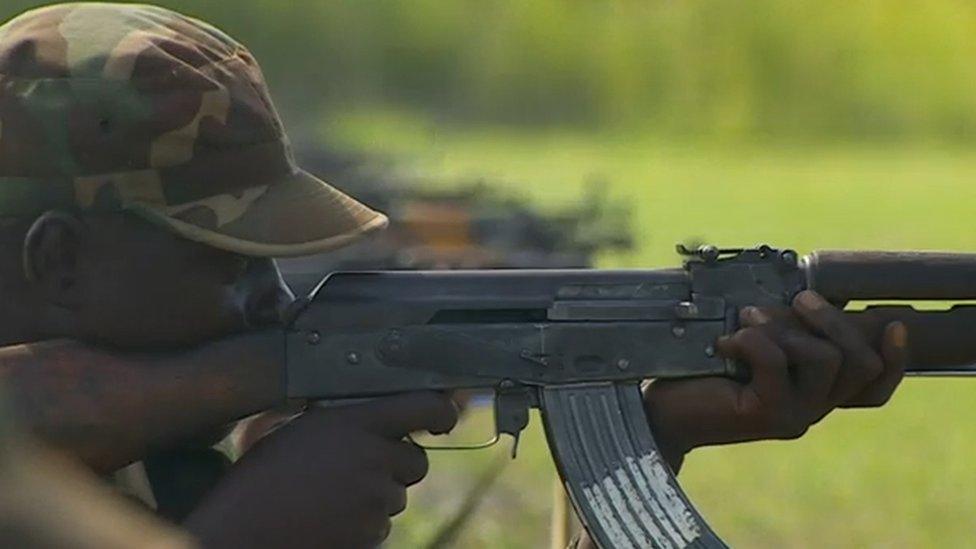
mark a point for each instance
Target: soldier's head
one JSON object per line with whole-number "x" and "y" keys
{"x": 146, "y": 181}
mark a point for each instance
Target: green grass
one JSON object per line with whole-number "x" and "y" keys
{"x": 901, "y": 476}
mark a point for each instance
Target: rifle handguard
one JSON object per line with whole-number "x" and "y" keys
{"x": 842, "y": 276}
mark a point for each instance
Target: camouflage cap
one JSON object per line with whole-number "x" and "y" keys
{"x": 111, "y": 107}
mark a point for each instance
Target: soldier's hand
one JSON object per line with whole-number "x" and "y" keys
{"x": 804, "y": 361}
{"x": 333, "y": 477}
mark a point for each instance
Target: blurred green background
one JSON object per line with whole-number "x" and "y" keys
{"x": 802, "y": 124}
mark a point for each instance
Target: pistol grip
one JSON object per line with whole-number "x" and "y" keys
{"x": 623, "y": 491}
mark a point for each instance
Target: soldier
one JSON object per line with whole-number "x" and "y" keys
{"x": 145, "y": 179}
{"x": 145, "y": 183}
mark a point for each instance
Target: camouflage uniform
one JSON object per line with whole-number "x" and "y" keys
{"x": 110, "y": 107}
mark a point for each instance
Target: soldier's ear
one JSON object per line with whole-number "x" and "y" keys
{"x": 52, "y": 249}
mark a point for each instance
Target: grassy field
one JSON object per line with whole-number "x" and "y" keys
{"x": 901, "y": 476}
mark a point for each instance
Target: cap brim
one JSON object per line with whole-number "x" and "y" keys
{"x": 301, "y": 215}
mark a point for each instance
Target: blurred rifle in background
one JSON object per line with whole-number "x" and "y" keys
{"x": 463, "y": 225}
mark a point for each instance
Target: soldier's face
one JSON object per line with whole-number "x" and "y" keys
{"x": 140, "y": 285}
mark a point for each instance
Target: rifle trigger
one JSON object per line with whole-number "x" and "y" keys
{"x": 512, "y": 403}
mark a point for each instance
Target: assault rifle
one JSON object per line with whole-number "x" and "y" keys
{"x": 576, "y": 344}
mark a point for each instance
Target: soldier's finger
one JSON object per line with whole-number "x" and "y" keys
{"x": 397, "y": 416}
{"x": 751, "y": 316}
{"x": 815, "y": 365}
{"x": 814, "y": 362}
{"x": 395, "y": 499}
{"x": 861, "y": 363}
{"x": 895, "y": 352}
{"x": 768, "y": 407}
{"x": 408, "y": 463}
{"x": 380, "y": 532}
{"x": 766, "y": 361}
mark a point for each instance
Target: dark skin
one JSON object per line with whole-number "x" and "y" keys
{"x": 805, "y": 361}
{"x": 338, "y": 461}
{"x": 94, "y": 278}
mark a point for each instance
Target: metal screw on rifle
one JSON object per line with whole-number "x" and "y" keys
{"x": 623, "y": 364}
{"x": 789, "y": 258}
{"x": 709, "y": 351}
{"x": 313, "y": 338}
{"x": 352, "y": 358}
{"x": 394, "y": 341}
{"x": 686, "y": 309}
{"x": 678, "y": 330}
{"x": 708, "y": 253}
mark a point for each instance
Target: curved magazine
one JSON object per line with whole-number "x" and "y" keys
{"x": 624, "y": 492}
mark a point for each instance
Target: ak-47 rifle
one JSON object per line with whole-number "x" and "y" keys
{"x": 574, "y": 343}
{"x": 577, "y": 344}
